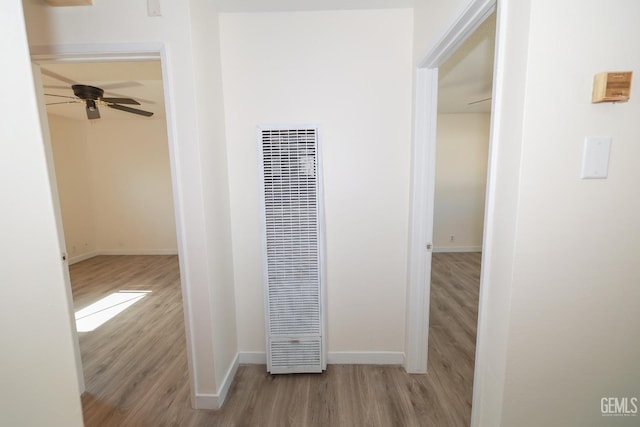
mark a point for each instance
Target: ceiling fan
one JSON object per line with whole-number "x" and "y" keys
{"x": 93, "y": 96}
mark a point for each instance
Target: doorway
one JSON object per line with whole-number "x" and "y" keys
{"x": 423, "y": 179}
{"x": 115, "y": 199}
{"x": 465, "y": 83}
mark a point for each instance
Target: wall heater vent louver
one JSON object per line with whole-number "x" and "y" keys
{"x": 291, "y": 196}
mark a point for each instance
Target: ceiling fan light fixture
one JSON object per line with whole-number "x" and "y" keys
{"x": 92, "y": 95}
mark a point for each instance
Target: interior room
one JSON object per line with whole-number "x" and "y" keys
{"x": 114, "y": 186}
{"x": 113, "y": 173}
{"x": 557, "y": 296}
{"x": 465, "y": 83}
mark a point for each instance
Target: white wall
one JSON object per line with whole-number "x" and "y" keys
{"x": 350, "y": 73}
{"x": 73, "y": 165}
{"x": 204, "y": 241}
{"x": 461, "y": 176}
{"x": 131, "y": 186}
{"x": 115, "y": 189}
{"x": 431, "y": 18}
{"x": 213, "y": 160}
{"x": 37, "y": 365}
{"x": 559, "y": 294}
{"x": 576, "y": 281}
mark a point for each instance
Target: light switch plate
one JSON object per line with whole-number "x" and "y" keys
{"x": 595, "y": 160}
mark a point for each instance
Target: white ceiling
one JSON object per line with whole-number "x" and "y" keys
{"x": 301, "y": 5}
{"x": 141, "y": 81}
{"x": 467, "y": 76}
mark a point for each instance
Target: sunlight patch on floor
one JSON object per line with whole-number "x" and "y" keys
{"x": 101, "y": 311}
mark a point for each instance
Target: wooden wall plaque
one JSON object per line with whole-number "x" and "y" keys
{"x": 612, "y": 86}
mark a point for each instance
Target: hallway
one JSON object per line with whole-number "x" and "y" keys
{"x": 136, "y": 367}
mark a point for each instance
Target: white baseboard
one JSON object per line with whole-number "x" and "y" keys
{"x": 137, "y": 252}
{"x": 457, "y": 249}
{"x": 215, "y": 401}
{"x": 365, "y": 358}
{"x": 253, "y": 357}
{"x": 336, "y": 358}
{"x": 228, "y": 379}
{"x": 82, "y": 257}
{"x": 86, "y": 256}
{"x": 206, "y": 401}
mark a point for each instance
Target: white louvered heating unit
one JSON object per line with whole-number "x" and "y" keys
{"x": 292, "y": 231}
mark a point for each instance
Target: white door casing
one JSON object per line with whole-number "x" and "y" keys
{"x": 423, "y": 178}
{"x": 119, "y": 52}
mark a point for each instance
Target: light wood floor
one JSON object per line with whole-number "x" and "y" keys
{"x": 136, "y": 368}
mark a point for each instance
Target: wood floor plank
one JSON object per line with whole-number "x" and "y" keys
{"x": 136, "y": 364}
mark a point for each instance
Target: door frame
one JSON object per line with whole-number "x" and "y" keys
{"x": 423, "y": 179}
{"x": 111, "y": 53}
{"x": 55, "y": 198}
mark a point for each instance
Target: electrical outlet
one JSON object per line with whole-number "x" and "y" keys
{"x": 452, "y": 237}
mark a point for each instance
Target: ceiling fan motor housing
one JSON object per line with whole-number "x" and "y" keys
{"x": 87, "y": 92}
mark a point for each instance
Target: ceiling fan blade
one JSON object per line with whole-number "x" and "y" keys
{"x": 121, "y": 101}
{"x": 479, "y": 101}
{"x": 120, "y": 85}
{"x": 92, "y": 111}
{"x": 56, "y": 76}
{"x": 63, "y": 102}
{"x": 60, "y": 96}
{"x": 138, "y": 99}
{"x": 55, "y": 87}
{"x": 130, "y": 110}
